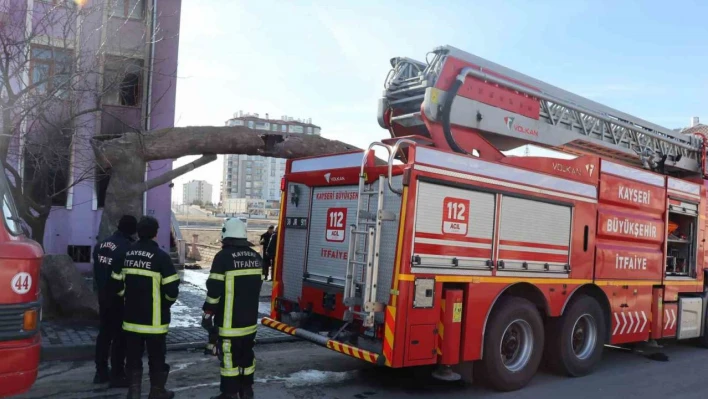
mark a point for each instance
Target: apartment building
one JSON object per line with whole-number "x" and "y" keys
{"x": 114, "y": 63}
{"x": 253, "y": 176}
{"x": 196, "y": 192}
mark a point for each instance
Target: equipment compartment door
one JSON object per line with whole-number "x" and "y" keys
{"x": 333, "y": 211}
{"x": 534, "y": 236}
{"x": 453, "y": 230}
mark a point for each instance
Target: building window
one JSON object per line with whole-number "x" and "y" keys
{"x": 317, "y": 130}
{"x": 284, "y": 128}
{"x": 309, "y": 130}
{"x": 122, "y": 81}
{"x": 295, "y": 129}
{"x": 274, "y": 127}
{"x": 46, "y": 170}
{"x": 129, "y": 9}
{"x": 79, "y": 253}
{"x": 102, "y": 179}
{"x": 51, "y": 69}
{"x": 250, "y": 124}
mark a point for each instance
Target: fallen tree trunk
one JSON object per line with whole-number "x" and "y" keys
{"x": 125, "y": 156}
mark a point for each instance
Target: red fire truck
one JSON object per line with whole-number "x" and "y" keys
{"x": 20, "y": 260}
{"x": 451, "y": 253}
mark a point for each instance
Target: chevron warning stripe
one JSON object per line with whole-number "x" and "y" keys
{"x": 353, "y": 352}
{"x": 389, "y": 326}
{"x": 441, "y": 328}
{"x": 282, "y": 327}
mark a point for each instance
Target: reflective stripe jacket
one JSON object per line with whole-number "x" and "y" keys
{"x": 149, "y": 283}
{"x": 105, "y": 254}
{"x": 233, "y": 289}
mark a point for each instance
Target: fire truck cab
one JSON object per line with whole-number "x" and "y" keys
{"x": 20, "y": 311}
{"x": 451, "y": 253}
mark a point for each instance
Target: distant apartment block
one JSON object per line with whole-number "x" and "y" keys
{"x": 196, "y": 192}
{"x": 253, "y": 176}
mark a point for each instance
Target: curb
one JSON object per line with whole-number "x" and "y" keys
{"x": 87, "y": 352}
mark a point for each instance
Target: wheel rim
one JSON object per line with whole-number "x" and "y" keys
{"x": 584, "y": 336}
{"x": 516, "y": 345}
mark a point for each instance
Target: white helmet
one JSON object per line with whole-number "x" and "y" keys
{"x": 234, "y": 228}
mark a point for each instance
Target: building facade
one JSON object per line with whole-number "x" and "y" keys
{"x": 124, "y": 53}
{"x": 253, "y": 176}
{"x": 196, "y": 192}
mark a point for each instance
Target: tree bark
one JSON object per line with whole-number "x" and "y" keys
{"x": 126, "y": 156}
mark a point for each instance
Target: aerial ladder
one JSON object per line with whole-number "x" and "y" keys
{"x": 467, "y": 104}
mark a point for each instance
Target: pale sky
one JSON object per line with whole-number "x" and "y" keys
{"x": 327, "y": 60}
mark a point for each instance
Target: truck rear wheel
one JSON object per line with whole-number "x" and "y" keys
{"x": 574, "y": 341}
{"x": 513, "y": 345}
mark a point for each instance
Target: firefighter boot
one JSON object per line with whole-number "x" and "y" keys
{"x": 247, "y": 392}
{"x": 119, "y": 380}
{"x": 157, "y": 385}
{"x": 102, "y": 376}
{"x": 135, "y": 379}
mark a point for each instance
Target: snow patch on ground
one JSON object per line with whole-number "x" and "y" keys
{"x": 196, "y": 278}
{"x": 184, "y": 316}
{"x": 182, "y": 366}
{"x": 310, "y": 377}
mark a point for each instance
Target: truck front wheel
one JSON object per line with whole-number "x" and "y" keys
{"x": 513, "y": 345}
{"x": 574, "y": 341}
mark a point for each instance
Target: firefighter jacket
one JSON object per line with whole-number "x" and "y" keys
{"x": 149, "y": 284}
{"x": 233, "y": 289}
{"x": 107, "y": 253}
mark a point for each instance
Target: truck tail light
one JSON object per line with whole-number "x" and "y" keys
{"x": 29, "y": 322}
{"x": 282, "y": 184}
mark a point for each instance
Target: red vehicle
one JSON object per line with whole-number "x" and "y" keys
{"x": 460, "y": 254}
{"x": 20, "y": 312}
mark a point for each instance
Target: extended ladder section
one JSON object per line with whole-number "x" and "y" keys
{"x": 510, "y": 109}
{"x": 361, "y": 279}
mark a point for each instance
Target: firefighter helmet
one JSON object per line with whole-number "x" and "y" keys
{"x": 234, "y": 228}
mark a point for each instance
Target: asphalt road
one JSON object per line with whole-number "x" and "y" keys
{"x": 302, "y": 370}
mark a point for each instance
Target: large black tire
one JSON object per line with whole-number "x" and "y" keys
{"x": 574, "y": 341}
{"x": 517, "y": 324}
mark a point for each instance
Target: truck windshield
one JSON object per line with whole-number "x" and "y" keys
{"x": 9, "y": 212}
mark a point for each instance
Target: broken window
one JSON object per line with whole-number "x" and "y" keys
{"x": 102, "y": 177}
{"x": 46, "y": 169}
{"x": 122, "y": 82}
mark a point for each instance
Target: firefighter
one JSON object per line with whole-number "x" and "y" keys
{"x": 233, "y": 289}
{"x": 150, "y": 286}
{"x": 110, "y": 335}
{"x": 267, "y": 261}
{"x": 272, "y": 246}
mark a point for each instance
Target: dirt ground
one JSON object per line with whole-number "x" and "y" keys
{"x": 213, "y": 236}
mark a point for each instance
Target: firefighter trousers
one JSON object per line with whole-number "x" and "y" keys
{"x": 238, "y": 363}
{"x": 111, "y": 339}
{"x": 156, "y": 349}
